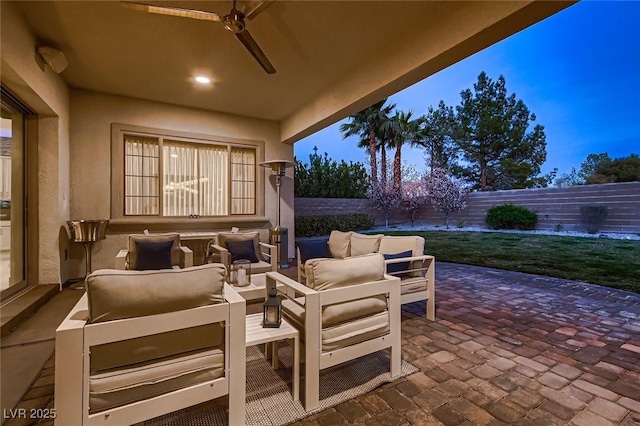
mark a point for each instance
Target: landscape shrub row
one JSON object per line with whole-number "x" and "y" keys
{"x": 510, "y": 216}
{"x": 311, "y": 226}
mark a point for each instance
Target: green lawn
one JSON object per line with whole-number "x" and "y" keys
{"x": 608, "y": 262}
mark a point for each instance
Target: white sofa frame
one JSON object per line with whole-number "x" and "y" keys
{"x": 74, "y": 338}
{"x": 426, "y": 265}
{"x": 311, "y": 346}
{"x": 267, "y": 254}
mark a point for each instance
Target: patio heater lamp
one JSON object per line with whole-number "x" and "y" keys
{"x": 278, "y": 235}
{"x": 87, "y": 232}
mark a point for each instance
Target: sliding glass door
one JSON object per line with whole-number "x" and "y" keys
{"x": 12, "y": 198}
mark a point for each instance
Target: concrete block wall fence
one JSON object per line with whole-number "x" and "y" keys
{"x": 556, "y": 207}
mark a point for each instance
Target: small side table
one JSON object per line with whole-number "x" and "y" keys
{"x": 256, "y": 290}
{"x": 257, "y": 335}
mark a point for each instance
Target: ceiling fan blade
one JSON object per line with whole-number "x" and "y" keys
{"x": 251, "y": 9}
{"x": 172, "y": 11}
{"x": 253, "y": 48}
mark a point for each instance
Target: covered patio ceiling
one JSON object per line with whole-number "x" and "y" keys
{"x": 332, "y": 58}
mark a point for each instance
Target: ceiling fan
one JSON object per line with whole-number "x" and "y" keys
{"x": 233, "y": 22}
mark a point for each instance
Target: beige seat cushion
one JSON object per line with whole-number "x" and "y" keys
{"x": 223, "y": 237}
{"x": 260, "y": 267}
{"x": 154, "y": 238}
{"x": 333, "y": 273}
{"x": 337, "y": 333}
{"x": 351, "y": 333}
{"x": 339, "y": 312}
{"x": 350, "y": 322}
{"x": 339, "y": 244}
{"x": 348, "y": 311}
{"x": 413, "y": 285}
{"x": 142, "y": 381}
{"x": 118, "y": 354}
{"x": 115, "y": 294}
{"x": 392, "y": 245}
{"x": 364, "y": 244}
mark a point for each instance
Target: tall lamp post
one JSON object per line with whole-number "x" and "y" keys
{"x": 278, "y": 235}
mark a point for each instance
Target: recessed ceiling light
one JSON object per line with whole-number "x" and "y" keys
{"x": 203, "y": 80}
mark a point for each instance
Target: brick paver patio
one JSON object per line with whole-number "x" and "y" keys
{"x": 506, "y": 348}
{"x": 511, "y": 348}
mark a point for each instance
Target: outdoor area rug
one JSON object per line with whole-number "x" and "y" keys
{"x": 269, "y": 400}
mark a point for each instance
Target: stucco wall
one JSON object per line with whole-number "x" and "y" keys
{"x": 73, "y": 169}
{"x": 47, "y": 94}
{"x": 554, "y": 206}
{"x": 92, "y": 115}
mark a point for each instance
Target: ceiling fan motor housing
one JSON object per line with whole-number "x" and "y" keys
{"x": 234, "y": 22}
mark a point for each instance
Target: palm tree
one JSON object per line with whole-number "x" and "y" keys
{"x": 381, "y": 146}
{"x": 383, "y": 141}
{"x": 367, "y": 124}
{"x": 402, "y": 129}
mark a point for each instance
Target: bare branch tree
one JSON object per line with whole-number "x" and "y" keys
{"x": 447, "y": 193}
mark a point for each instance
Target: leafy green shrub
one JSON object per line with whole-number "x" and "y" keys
{"x": 323, "y": 177}
{"x": 311, "y": 226}
{"x": 593, "y": 217}
{"x": 509, "y": 216}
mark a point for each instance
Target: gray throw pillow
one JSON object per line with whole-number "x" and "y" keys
{"x": 395, "y": 268}
{"x": 242, "y": 250}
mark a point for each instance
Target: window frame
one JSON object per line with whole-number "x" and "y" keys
{"x": 128, "y": 222}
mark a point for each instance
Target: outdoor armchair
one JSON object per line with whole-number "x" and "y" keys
{"x": 140, "y": 344}
{"x": 349, "y": 308}
{"x": 154, "y": 251}
{"x": 232, "y": 246}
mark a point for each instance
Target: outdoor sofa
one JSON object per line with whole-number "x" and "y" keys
{"x": 404, "y": 257}
{"x": 140, "y": 344}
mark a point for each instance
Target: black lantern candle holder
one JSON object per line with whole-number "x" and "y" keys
{"x": 272, "y": 316}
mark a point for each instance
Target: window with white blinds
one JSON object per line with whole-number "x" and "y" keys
{"x": 243, "y": 181}
{"x": 176, "y": 178}
{"x": 141, "y": 176}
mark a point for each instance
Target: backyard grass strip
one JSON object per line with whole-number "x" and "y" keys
{"x": 607, "y": 262}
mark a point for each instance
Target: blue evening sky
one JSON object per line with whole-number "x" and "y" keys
{"x": 578, "y": 71}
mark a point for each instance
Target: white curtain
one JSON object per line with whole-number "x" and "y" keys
{"x": 195, "y": 180}
{"x": 180, "y": 180}
{"x": 214, "y": 167}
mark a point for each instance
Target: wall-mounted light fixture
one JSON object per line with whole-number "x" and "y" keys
{"x": 53, "y": 57}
